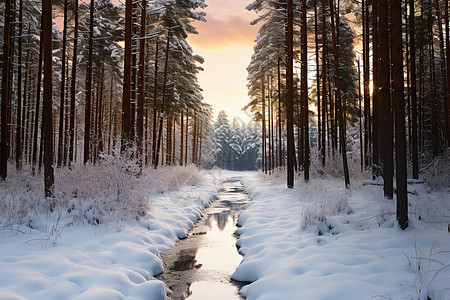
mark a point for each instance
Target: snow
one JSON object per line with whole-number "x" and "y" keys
{"x": 316, "y": 241}
{"x": 108, "y": 261}
{"x": 320, "y": 241}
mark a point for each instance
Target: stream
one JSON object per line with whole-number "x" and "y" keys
{"x": 200, "y": 266}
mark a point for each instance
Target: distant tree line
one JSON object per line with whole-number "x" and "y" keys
{"x": 236, "y": 146}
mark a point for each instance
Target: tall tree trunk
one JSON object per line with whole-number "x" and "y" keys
{"x": 47, "y": 110}
{"x": 319, "y": 120}
{"x": 412, "y": 44}
{"x": 5, "y": 89}
{"x": 26, "y": 105}
{"x": 339, "y": 101}
{"x": 181, "y": 138}
{"x": 366, "y": 79}
{"x": 155, "y": 102}
{"x": 194, "y": 142}
{"x": 263, "y": 120}
{"x": 100, "y": 112}
{"x": 73, "y": 90}
{"x": 447, "y": 51}
{"x": 133, "y": 78}
{"x": 280, "y": 142}
{"x": 66, "y": 115}
{"x": 360, "y": 117}
{"x": 169, "y": 139}
{"x": 38, "y": 102}
{"x": 324, "y": 80}
{"x": 163, "y": 102}
{"x": 111, "y": 109}
{"x": 126, "y": 98}
{"x": 87, "y": 109}
{"x": 62, "y": 90}
{"x": 399, "y": 104}
{"x": 384, "y": 86}
{"x": 186, "y": 137}
{"x": 141, "y": 83}
{"x": 443, "y": 74}
{"x": 304, "y": 83}
{"x": 408, "y": 74}
{"x": 434, "y": 101}
{"x": 290, "y": 94}
{"x": 375, "y": 95}
{"x": 269, "y": 127}
{"x": 19, "y": 127}
{"x": 274, "y": 146}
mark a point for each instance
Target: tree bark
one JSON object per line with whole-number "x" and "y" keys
{"x": 376, "y": 95}
{"x": 126, "y": 98}
{"x": 141, "y": 83}
{"x": 47, "y": 110}
{"x": 163, "y": 102}
{"x": 324, "y": 81}
{"x": 399, "y": 103}
{"x": 87, "y": 108}
{"x": 280, "y": 142}
{"x": 38, "y": 102}
{"x": 387, "y": 134}
{"x": 319, "y": 120}
{"x": 62, "y": 90}
{"x": 412, "y": 45}
{"x": 19, "y": 127}
{"x": 290, "y": 94}
{"x": 155, "y": 102}
{"x": 447, "y": 51}
{"x": 5, "y": 89}
{"x": 304, "y": 83}
{"x": 263, "y": 120}
{"x": 365, "y": 9}
{"x": 73, "y": 86}
{"x": 181, "y": 138}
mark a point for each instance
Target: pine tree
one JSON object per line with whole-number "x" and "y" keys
{"x": 47, "y": 110}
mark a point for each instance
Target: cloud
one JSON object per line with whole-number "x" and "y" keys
{"x": 217, "y": 33}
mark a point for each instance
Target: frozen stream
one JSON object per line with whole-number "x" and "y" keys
{"x": 200, "y": 266}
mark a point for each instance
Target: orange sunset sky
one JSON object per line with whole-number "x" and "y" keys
{"x": 226, "y": 42}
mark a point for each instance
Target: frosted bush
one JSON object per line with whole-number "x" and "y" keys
{"x": 112, "y": 190}
{"x": 437, "y": 173}
{"x": 20, "y": 194}
{"x": 319, "y": 215}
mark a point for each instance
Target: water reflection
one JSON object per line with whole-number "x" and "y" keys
{"x": 185, "y": 260}
{"x": 202, "y": 290}
{"x": 221, "y": 219}
{"x": 200, "y": 266}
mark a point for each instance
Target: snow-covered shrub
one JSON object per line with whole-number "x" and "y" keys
{"x": 112, "y": 190}
{"x": 104, "y": 192}
{"x": 320, "y": 217}
{"x": 20, "y": 194}
{"x": 437, "y": 173}
{"x": 166, "y": 179}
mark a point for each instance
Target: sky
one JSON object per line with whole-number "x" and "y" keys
{"x": 226, "y": 42}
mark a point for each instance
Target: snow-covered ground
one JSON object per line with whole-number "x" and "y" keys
{"x": 316, "y": 241}
{"x": 62, "y": 260}
{"x": 321, "y": 241}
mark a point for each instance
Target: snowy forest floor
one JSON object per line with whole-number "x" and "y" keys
{"x": 321, "y": 241}
{"x": 316, "y": 241}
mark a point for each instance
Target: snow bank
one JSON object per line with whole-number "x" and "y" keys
{"x": 321, "y": 241}
{"x": 57, "y": 258}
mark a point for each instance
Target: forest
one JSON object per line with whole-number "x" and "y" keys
{"x": 126, "y": 77}
{"x": 117, "y": 175}
{"x": 377, "y": 67}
